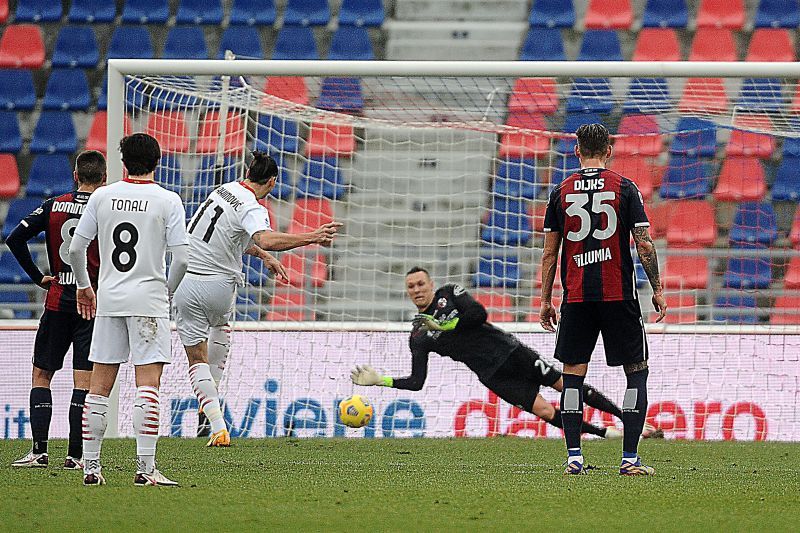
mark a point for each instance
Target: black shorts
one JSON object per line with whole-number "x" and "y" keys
{"x": 619, "y": 322}
{"x": 57, "y": 330}
{"x": 518, "y": 380}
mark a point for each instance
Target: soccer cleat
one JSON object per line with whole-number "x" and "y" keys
{"x": 70, "y": 463}
{"x": 628, "y": 468}
{"x": 153, "y": 479}
{"x": 613, "y": 433}
{"x": 94, "y": 479}
{"x": 32, "y": 460}
{"x": 220, "y": 439}
{"x": 651, "y": 432}
{"x": 575, "y": 468}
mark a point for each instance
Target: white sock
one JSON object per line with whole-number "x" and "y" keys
{"x": 219, "y": 346}
{"x": 146, "y": 410}
{"x": 95, "y": 409}
{"x": 206, "y": 392}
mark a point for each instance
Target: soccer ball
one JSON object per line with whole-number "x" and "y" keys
{"x": 355, "y": 411}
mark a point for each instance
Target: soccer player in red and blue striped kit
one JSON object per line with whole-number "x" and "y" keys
{"x": 594, "y": 212}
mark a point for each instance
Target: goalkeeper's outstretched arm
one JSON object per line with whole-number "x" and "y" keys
{"x": 366, "y": 375}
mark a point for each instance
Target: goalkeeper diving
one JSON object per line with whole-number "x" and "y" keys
{"x": 451, "y": 323}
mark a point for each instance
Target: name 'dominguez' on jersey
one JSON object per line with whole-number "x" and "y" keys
{"x": 595, "y": 211}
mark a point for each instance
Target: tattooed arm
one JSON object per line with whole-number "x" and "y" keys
{"x": 547, "y": 313}
{"x": 647, "y": 255}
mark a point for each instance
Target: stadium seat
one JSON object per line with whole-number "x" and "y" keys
{"x": 747, "y": 273}
{"x": 721, "y": 14}
{"x": 690, "y": 224}
{"x": 524, "y": 144}
{"x": 564, "y": 167}
{"x": 54, "y": 133}
{"x": 199, "y": 12}
{"x": 638, "y": 135}
{"x": 246, "y": 308}
{"x": 309, "y": 214}
{"x": 499, "y": 307}
{"x": 306, "y": 13}
{"x": 785, "y": 310}
{"x": 791, "y": 279}
{"x": 21, "y": 46}
{"x": 3, "y": 11}
{"x": 92, "y": 11}
{"x": 658, "y": 215}
{"x": 145, "y": 12}
{"x": 329, "y": 140}
{"x": 497, "y": 269}
{"x": 209, "y": 132}
{"x": 639, "y": 169}
{"x": 243, "y": 41}
{"x": 16, "y": 90}
{"x": 685, "y": 177}
{"x": 508, "y": 223}
{"x": 322, "y": 177}
{"x": 96, "y": 140}
{"x": 11, "y": 272}
{"x": 284, "y": 188}
{"x": 713, "y": 44}
{"x": 543, "y": 44}
{"x": 169, "y": 128}
{"x": 287, "y": 306}
{"x": 754, "y": 224}
{"x": 534, "y": 95}
{"x": 351, "y": 42}
{"x": 130, "y": 42}
{"x": 301, "y": 273}
{"x": 361, "y": 13}
{"x": 572, "y": 122}
{"x": 682, "y": 309}
{"x": 164, "y": 99}
{"x": 685, "y": 272}
{"x": 600, "y": 45}
{"x": 291, "y": 88}
{"x": 768, "y": 44}
{"x": 657, "y": 44}
{"x": 50, "y": 175}
{"x": 253, "y": 13}
{"x": 9, "y": 176}
{"x": 341, "y": 94}
{"x": 276, "y": 134}
{"x": 168, "y": 174}
{"x": 295, "y": 42}
{"x": 76, "y": 46}
{"x": 516, "y": 178}
{"x": 761, "y": 95}
{"x": 67, "y": 90}
{"x": 665, "y": 14}
{"x": 703, "y": 95}
{"x": 210, "y": 175}
{"x": 740, "y": 179}
{"x": 608, "y": 14}
{"x": 694, "y": 136}
{"x": 37, "y": 11}
{"x": 552, "y": 14}
{"x": 777, "y": 14}
{"x": 185, "y": 43}
{"x": 749, "y": 143}
{"x": 18, "y": 209}
{"x": 12, "y": 299}
{"x": 10, "y": 137}
{"x": 590, "y": 95}
{"x": 787, "y": 180}
{"x": 794, "y": 232}
{"x": 647, "y": 95}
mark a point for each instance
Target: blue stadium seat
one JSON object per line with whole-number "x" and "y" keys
{"x": 600, "y": 45}
{"x": 50, "y": 175}
{"x": 694, "y": 136}
{"x": 351, "y": 42}
{"x": 686, "y": 177}
{"x": 17, "y": 297}
{"x": 92, "y": 11}
{"x": 564, "y": 167}
{"x": 516, "y": 178}
{"x": 341, "y": 94}
{"x": 247, "y": 309}
{"x": 787, "y": 178}
{"x": 145, "y": 12}
{"x": 18, "y": 209}
{"x": 322, "y": 177}
{"x": 778, "y": 14}
{"x": 67, "y": 89}
{"x": 168, "y": 100}
{"x": 168, "y": 173}
{"x": 284, "y": 188}
{"x": 665, "y": 14}
{"x": 754, "y": 223}
{"x": 295, "y": 42}
{"x": 54, "y": 133}
{"x": 590, "y": 95}
{"x": 253, "y": 13}
{"x": 185, "y": 43}
{"x": 10, "y": 137}
{"x": 735, "y": 309}
{"x": 361, "y": 13}
{"x": 243, "y": 41}
{"x": 552, "y": 14}
{"x": 306, "y": 13}
{"x": 543, "y": 44}
{"x": 16, "y": 90}
{"x": 647, "y": 95}
{"x": 791, "y": 146}
{"x": 209, "y": 176}
{"x": 497, "y": 268}
{"x": 10, "y": 271}
{"x": 134, "y": 99}
{"x": 572, "y": 122}
{"x": 199, "y": 12}
{"x": 747, "y": 272}
{"x": 37, "y": 11}
{"x": 76, "y": 46}
{"x": 130, "y": 42}
{"x": 508, "y": 223}
{"x": 276, "y": 134}
{"x": 761, "y": 94}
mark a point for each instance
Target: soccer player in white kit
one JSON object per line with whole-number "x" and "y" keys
{"x": 229, "y": 223}
{"x": 136, "y": 223}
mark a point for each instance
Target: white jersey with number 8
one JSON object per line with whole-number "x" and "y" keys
{"x": 134, "y": 223}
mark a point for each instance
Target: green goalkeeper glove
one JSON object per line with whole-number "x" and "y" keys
{"x": 366, "y": 375}
{"x": 427, "y": 322}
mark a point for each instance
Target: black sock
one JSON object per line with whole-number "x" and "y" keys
{"x": 41, "y": 411}
{"x": 572, "y": 411}
{"x": 634, "y": 411}
{"x": 76, "y": 423}
{"x": 585, "y": 426}
{"x": 598, "y": 400}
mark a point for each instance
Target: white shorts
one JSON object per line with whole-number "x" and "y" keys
{"x": 202, "y": 302}
{"x": 143, "y": 339}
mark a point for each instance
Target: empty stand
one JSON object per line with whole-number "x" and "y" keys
{"x": 543, "y": 44}
{"x": 665, "y": 14}
{"x": 253, "y": 13}
{"x": 291, "y": 88}
{"x": 341, "y": 94}
{"x": 330, "y": 140}
{"x": 92, "y": 11}
{"x": 685, "y": 272}
{"x": 572, "y": 122}
{"x": 50, "y": 175}
{"x": 276, "y": 134}
{"x": 590, "y": 95}
{"x": 12, "y": 272}
{"x": 295, "y": 42}
{"x": 525, "y": 144}
{"x": 210, "y": 129}
{"x": 657, "y": 44}
{"x": 351, "y": 42}
{"x": 755, "y": 223}
{"x": 199, "y": 12}
{"x": 685, "y": 177}
{"x": 600, "y": 45}
{"x": 777, "y": 14}
{"x": 761, "y": 95}
{"x": 76, "y": 46}
{"x": 3, "y": 11}
{"x": 21, "y": 46}
{"x": 534, "y": 95}
{"x": 131, "y": 42}
{"x": 361, "y": 13}
{"x": 791, "y": 280}
{"x": 552, "y": 14}
{"x": 243, "y": 41}
{"x": 67, "y": 89}
{"x": 307, "y": 13}
{"x": 169, "y": 128}
{"x": 682, "y": 309}
{"x": 284, "y": 189}
{"x": 690, "y": 223}
{"x": 787, "y": 180}
{"x": 794, "y": 233}
{"x": 287, "y": 305}
{"x": 704, "y": 95}
{"x": 9, "y": 176}
{"x": 695, "y": 137}
{"x": 713, "y": 44}
{"x": 638, "y": 135}
{"x": 785, "y": 310}
{"x": 17, "y": 210}
{"x": 37, "y": 11}
{"x": 96, "y": 139}
{"x": 168, "y": 175}
{"x": 10, "y": 137}
{"x": 309, "y": 214}
{"x": 516, "y": 178}
{"x": 609, "y": 14}
{"x": 658, "y": 214}
{"x": 747, "y": 273}
{"x": 640, "y": 169}
{"x": 145, "y": 12}
{"x": 185, "y": 43}
{"x": 499, "y": 307}
{"x": 740, "y": 179}
{"x": 563, "y": 167}
{"x": 768, "y": 44}
{"x": 54, "y": 133}
{"x": 744, "y": 142}
{"x": 721, "y": 14}
{"x": 303, "y": 270}
{"x": 508, "y": 223}
{"x": 16, "y": 90}
{"x": 497, "y": 270}
{"x": 322, "y": 177}
{"x": 647, "y": 95}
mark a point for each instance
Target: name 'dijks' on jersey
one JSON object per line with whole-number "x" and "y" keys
{"x": 590, "y": 185}
{"x": 592, "y": 256}
{"x": 120, "y": 204}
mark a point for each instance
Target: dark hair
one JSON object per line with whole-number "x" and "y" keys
{"x": 416, "y": 269}
{"x": 140, "y": 153}
{"x": 262, "y": 168}
{"x": 593, "y": 140}
{"x": 91, "y": 167}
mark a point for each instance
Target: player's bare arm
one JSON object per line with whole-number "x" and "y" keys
{"x": 649, "y": 258}
{"x": 547, "y": 313}
{"x": 270, "y": 261}
{"x": 275, "y": 241}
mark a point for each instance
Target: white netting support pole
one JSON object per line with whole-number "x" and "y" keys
{"x": 116, "y": 122}
{"x": 223, "y": 112}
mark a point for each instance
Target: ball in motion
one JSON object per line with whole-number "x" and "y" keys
{"x": 355, "y": 411}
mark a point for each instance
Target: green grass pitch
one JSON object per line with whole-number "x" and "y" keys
{"x": 502, "y": 484}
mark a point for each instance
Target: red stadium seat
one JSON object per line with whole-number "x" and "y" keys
{"x": 657, "y": 215}
{"x": 721, "y": 14}
{"x": 771, "y": 44}
{"x": 518, "y": 144}
{"x": 740, "y": 179}
{"x": 794, "y": 233}
{"x": 796, "y": 100}
{"x": 235, "y": 133}
{"x": 608, "y": 14}
{"x": 791, "y": 280}
{"x": 748, "y": 143}
{"x": 534, "y": 95}
{"x": 287, "y": 305}
{"x": 681, "y": 309}
{"x": 309, "y": 214}
{"x": 169, "y": 129}
{"x": 329, "y": 140}
{"x": 657, "y": 44}
{"x": 291, "y": 88}
{"x": 9, "y": 176}
{"x": 706, "y": 95}
{"x": 3, "y": 11}
{"x": 638, "y": 135}
{"x": 97, "y": 132}
{"x": 690, "y": 223}
{"x": 273, "y": 222}
{"x": 685, "y": 272}
{"x": 786, "y": 310}
{"x": 302, "y": 269}
{"x": 22, "y": 47}
{"x": 536, "y": 213}
{"x": 499, "y": 307}
{"x": 640, "y": 170}
{"x": 713, "y": 44}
